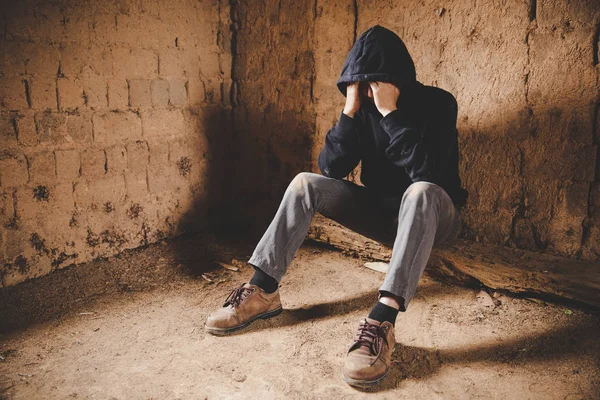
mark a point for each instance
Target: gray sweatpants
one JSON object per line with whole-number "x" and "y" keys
{"x": 424, "y": 216}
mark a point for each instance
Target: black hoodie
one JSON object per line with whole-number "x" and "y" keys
{"x": 416, "y": 142}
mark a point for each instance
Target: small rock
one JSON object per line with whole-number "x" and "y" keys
{"x": 377, "y": 266}
{"x": 485, "y": 300}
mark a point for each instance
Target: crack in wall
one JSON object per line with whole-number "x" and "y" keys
{"x": 233, "y": 27}
{"x": 355, "y": 9}
{"x": 595, "y": 44}
{"x": 520, "y": 209}
{"x": 532, "y": 10}
{"x": 27, "y": 92}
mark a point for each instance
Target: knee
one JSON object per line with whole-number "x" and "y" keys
{"x": 419, "y": 192}
{"x": 302, "y": 183}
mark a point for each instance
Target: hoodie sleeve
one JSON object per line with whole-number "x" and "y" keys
{"x": 341, "y": 152}
{"x": 414, "y": 148}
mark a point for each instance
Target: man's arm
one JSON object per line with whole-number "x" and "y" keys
{"x": 341, "y": 153}
{"x": 409, "y": 148}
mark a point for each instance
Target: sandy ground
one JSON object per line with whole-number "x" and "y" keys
{"x": 132, "y": 328}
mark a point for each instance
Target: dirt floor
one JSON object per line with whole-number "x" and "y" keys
{"x": 131, "y": 327}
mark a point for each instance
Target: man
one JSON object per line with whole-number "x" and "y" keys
{"x": 404, "y": 133}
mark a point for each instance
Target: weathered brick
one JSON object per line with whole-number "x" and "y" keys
{"x": 13, "y": 169}
{"x": 567, "y": 55}
{"x": 160, "y": 93}
{"x": 43, "y": 93}
{"x": 178, "y": 148}
{"x": 51, "y": 127}
{"x": 33, "y": 209}
{"x": 159, "y": 152}
{"x": 160, "y": 179}
{"x": 178, "y": 92}
{"x": 226, "y": 92}
{"x": 116, "y": 126}
{"x": 171, "y": 63}
{"x": 95, "y": 92}
{"x": 79, "y": 128}
{"x": 26, "y": 126}
{"x": 96, "y": 193}
{"x": 135, "y": 63}
{"x": 40, "y": 59}
{"x": 41, "y": 168}
{"x": 226, "y": 59}
{"x": 70, "y": 94}
{"x": 137, "y": 185}
{"x": 209, "y": 65}
{"x": 15, "y": 245}
{"x": 103, "y": 28}
{"x": 118, "y": 93}
{"x": 137, "y": 156}
{"x": 77, "y": 58}
{"x": 11, "y": 59}
{"x": 566, "y": 228}
{"x": 212, "y": 91}
{"x": 93, "y": 162}
{"x": 7, "y": 210}
{"x": 74, "y": 57}
{"x": 8, "y": 134}
{"x": 116, "y": 159}
{"x": 572, "y": 156}
{"x": 12, "y": 93}
{"x": 133, "y": 30}
{"x": 184, "y": 160}
{"x": 62, "y": 198}
{"x": 44, "y": 25}
{"x": 160, "y": 122}
{"x": 67, "y": 164}
{"x": 565, "y": 123}
{"x": 195, "y": 92}
{"x": 76, "y": 24}
{"x": 139, "y": 93}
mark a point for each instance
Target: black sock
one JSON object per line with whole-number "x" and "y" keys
{"x": 381, "y": 312}
{"x": 264, "y": 281}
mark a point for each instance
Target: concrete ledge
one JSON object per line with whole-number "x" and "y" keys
{"x": 518, "y": 272}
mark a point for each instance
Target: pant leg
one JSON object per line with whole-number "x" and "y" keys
{"x": 427, "y": 217}
{"x": 307, "y": 194}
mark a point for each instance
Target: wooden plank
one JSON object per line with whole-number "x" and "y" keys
{"x": 520, "y": 272}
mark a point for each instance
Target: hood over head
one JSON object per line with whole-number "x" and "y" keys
{"x": 378, "y": 55}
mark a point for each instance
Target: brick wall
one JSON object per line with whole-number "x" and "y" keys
{"x": 274, "y": 118}
{"x": 114, "y": 117}
{"x": 127, "y": 121}
{"x": 526, "y": 77}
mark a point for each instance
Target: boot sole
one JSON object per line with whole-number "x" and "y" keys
{"x": 225, "y": 331}
{"x": 363, "y": 383}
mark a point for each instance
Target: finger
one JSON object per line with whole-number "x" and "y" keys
{"x": 374, "y": 86}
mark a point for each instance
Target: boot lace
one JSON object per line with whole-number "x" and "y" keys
{"x": 371, "y": 336}
{"x": 237, "y": 295}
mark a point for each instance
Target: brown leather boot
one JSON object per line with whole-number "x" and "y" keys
{"x": 243, "y": 306}
{"x": 369, "y": 358}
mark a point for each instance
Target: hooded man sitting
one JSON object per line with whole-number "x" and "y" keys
{"x": 404, "y": 133}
